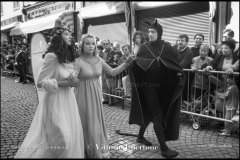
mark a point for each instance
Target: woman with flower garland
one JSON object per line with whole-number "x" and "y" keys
{"x": 56, "y": 130}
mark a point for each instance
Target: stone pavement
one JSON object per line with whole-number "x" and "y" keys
{"x": 19, "y": 102}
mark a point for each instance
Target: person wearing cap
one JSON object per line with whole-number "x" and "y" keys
{"x": 157, "y": 83}
{"x": 56, "y": 130}
{"x": 228, "y": 35}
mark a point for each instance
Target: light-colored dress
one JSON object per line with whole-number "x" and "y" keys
{"x": 56, "y": 130}
{"x": 89, "y": 99}
{"x": 201, "y": 79}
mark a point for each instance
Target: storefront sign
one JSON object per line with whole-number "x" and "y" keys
{"x": 54, "y": 8}
{"x": 9, "y": 21}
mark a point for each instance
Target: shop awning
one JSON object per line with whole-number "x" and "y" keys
{"x": 35, "y": 25}
{"x": 147, "y": 5}
{"x": 103, "y": 9}
{"x": 9, "y": 26}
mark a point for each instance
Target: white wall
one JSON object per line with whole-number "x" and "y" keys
{"x": 8, "y": 11}
{"x": 234, "y": 23}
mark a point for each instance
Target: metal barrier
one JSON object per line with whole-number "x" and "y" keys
{"x": 198, "y": 98}
{"x": 205, "y": 96}
{"x": 116, "y": 88}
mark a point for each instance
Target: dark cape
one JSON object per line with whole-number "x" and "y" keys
{"x": 173, "y": 81}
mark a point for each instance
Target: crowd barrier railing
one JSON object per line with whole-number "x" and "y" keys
{"x": 199, "y": 97}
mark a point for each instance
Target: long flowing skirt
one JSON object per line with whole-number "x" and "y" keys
{"x": 56, "y": 129}
{"x": 89, "y": 99}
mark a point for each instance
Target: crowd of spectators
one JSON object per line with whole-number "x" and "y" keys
{"x": 15, "y": 62}
{"x": 201, "y": 60}
{"x": 222, "y": 56}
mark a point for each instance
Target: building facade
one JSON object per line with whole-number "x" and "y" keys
{"x": 107, "y": 19}
{"x": 11, "y": 15}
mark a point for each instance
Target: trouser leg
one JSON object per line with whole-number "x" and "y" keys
{"x": 24, "y": 66}
{"x": 153, "y": 103}
{"x": 20, "y": 70}
{"x": 142, "y": 131}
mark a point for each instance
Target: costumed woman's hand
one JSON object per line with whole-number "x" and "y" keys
{"x": 73, "y": 81}
{"x": 130, "y": 59}
{"x": 71, "y": 78}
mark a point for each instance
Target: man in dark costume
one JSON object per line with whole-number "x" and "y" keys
{"x": 22, "y": 64}
{"x": 157, "y": 83}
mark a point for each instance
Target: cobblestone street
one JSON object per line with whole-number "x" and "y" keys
{"x": 19, "y": 102}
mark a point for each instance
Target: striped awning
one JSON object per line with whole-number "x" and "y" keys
{"x": 40, "y": 24}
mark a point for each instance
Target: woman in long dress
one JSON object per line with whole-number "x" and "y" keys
{"x": 56, "y": 130}
{"x": 89, "y": 97}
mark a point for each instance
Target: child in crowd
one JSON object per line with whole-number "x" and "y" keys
{"x": 230, "y": 102}
{"x": 200, "y": 84}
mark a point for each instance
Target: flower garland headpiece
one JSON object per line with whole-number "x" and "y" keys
{"x": 61, "y": 25}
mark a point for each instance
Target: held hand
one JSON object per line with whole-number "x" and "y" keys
{"x": 71, "y": 78}
{"x": 130, "y": 59}
{"x": 73, "y": 81}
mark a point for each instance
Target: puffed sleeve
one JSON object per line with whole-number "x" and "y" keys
{"x": 45, "y": 79}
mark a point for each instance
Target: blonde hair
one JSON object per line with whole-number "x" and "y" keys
{"x": 82, "y": 42}
{"x": 204, "y": 46}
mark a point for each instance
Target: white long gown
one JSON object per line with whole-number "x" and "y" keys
{"x": 89, "y": 100}
{"x": 56, "y": 130}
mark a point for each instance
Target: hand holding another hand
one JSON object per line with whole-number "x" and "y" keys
{"x": 73, "y": 81}
{"x": 130, "y": 59}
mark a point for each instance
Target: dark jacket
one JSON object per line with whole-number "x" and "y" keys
{"x": 21, "y": 58}
{"x": 217, "y": 62}
{"x": 185, "y": 57}
{"x": 139, "y": 113}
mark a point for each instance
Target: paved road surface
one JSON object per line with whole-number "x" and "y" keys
{"x": 19, "y": 102}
